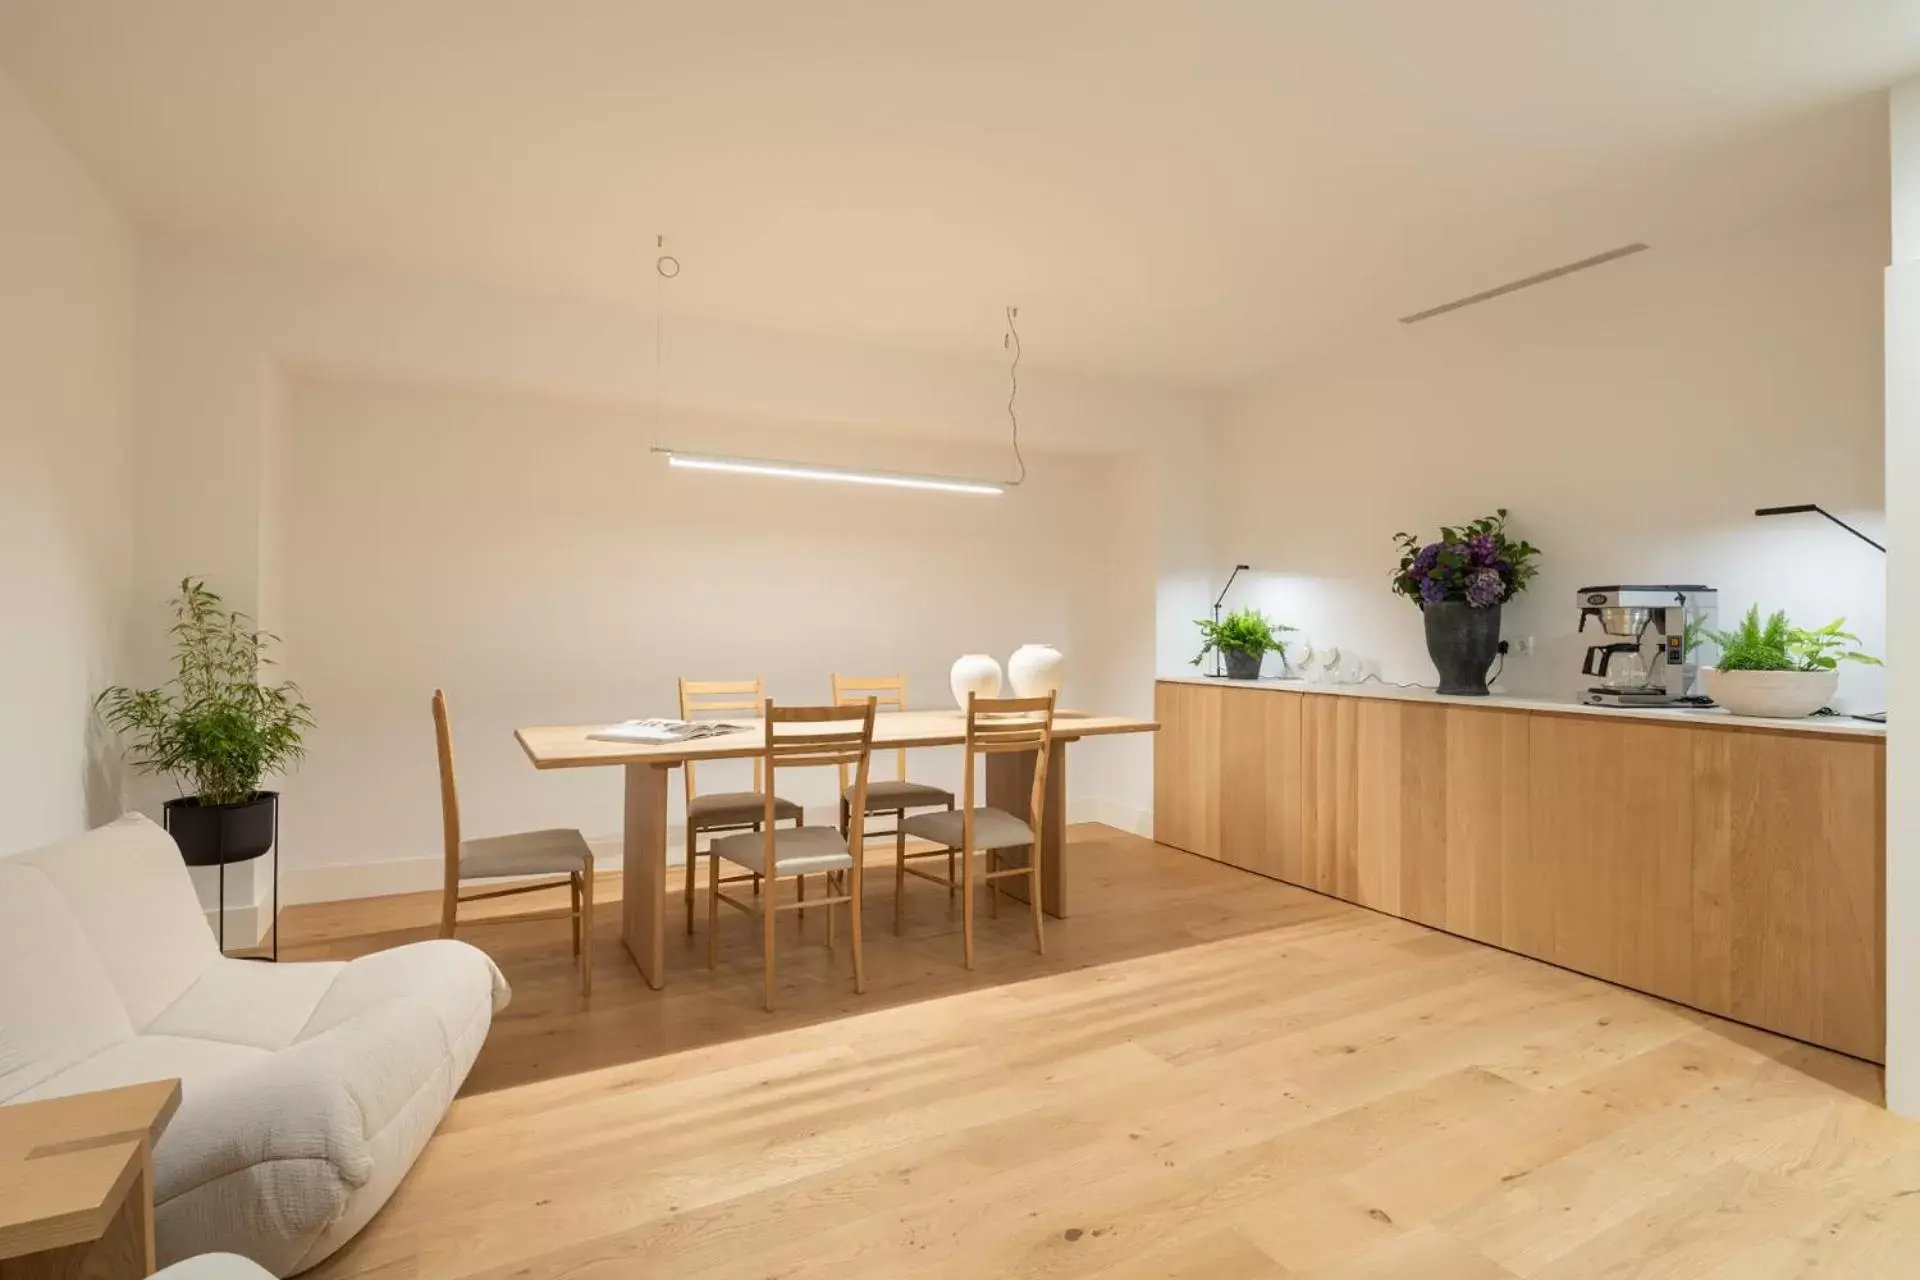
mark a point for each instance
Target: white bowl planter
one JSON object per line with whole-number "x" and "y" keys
{"x": 1782, "y": 695}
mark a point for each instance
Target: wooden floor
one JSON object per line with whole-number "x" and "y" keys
{"x": 1208, "y": 1075}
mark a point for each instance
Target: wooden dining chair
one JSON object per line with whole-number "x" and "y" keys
{"x": 558, "y": 852}
{"x": 895, "y": 795}
{"x": 799, "y": 738}
{"x": 725, "y": 810}
{"x": 995, "y": 726}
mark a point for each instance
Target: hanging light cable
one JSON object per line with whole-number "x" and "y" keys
{"x": 1012, "y": 340}
{"x": 666, "y": 267}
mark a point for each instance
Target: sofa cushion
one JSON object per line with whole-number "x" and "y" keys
{"x": 213, "y": 1266}
{"x": 126, "y": 886}
{"x": 245, "y": 1002}
{"x": 200, "y": 1064}
{"x": 58, "y": 1005}
{"x": 436, "y": 979}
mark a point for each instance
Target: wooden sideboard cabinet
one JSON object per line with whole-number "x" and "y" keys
{"x": 1736, "y": 869}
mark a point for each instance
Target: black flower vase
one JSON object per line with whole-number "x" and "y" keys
{"x": 1463, "y": 642}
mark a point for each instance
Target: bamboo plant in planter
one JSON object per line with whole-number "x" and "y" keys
{"x": 215, "y": 729}
{"x": 1774, "y": 668}
{"x": 1243, "y": 638}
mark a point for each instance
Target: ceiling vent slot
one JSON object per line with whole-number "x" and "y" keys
{"x": 1525, "y": 282}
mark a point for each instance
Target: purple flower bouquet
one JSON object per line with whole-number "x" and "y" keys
{"x": 1475, "y": 563}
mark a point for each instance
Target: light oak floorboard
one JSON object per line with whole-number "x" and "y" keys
{"x": 1209, "y": 1074}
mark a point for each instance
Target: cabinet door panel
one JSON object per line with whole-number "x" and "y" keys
{"x": 1383, "y": 806}
{"x": 1329, "y": 798}
{"x": 1186, "y": 767}
{"x": 1789, "y": 885}
{"x": 1243, "y": 777}
{"x": 1497, "y": 890}
{"x": 1612, "y": 816}
{"x": 1443, "y": 815}
{"x": 1260, "y": 769}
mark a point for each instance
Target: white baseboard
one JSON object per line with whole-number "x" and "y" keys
{"x": 338, "y": 882}
{"x": 247, "y": 923}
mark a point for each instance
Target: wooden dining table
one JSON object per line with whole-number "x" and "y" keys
{"x": 643, "y": 895}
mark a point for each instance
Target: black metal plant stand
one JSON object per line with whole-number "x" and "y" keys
{"x": 220, "y": 856}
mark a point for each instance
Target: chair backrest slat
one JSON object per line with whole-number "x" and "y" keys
{"x": 889, "y": 693}
{"x": 811, "y": 746}
{"x": 704, "y": 698}
{"x": 1011, "y": 726}
{"x": 449, "y": 792}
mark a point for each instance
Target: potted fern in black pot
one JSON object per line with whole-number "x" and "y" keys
{"x": 215, "y": 729}
{"x": 1243, "y": 639}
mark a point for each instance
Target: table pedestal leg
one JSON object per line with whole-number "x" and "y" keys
{"x": 643, "y": 872}
{"x": 1010, "y": 787}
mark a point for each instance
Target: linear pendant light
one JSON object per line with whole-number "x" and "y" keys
{"x": 667, "y": 267}
{"x": 812, "y": 471}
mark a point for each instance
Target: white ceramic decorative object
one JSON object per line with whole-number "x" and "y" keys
{"x": 1035, "y": 670}
{"x": 1783, "y": 695}
{"x": 974, "y": 673}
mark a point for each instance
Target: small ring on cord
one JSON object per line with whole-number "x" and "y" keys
{"x": 667, "y": 265}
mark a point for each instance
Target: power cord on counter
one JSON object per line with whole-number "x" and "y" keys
{"x": 1374, "y": 677}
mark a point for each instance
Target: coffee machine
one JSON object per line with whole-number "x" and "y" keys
{"x": 1667, "y": 618}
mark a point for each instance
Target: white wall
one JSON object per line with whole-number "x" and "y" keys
{"x": 1903, "y": 589}
{"x": 531, "y": 557}
{"x": 264, "y": 385}
{"x": 1631, "y": 417}
{"x": 66, "y": 317}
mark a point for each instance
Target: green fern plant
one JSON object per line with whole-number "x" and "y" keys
{"x": 1778, "y": 645}
{"x": 1247, "y": 631}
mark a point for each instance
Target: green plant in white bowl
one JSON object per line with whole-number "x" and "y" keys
{"x": 1774, "y": 668}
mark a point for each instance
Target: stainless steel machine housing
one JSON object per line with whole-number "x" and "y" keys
{"x": 1639, "y": 616}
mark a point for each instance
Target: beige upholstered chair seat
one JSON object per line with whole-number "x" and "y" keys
{"x": 799, "y": 851}
{"x": 992, "y": 828}
{"x": 530, "y": 858}
{"x": 898, "y": 793}
{"x": 733, "y": 808}
{"x": 556, "y": 852}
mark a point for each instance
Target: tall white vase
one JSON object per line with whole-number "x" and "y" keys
{"x": 974, "y": 673}
{"x": 1036, "y": 670}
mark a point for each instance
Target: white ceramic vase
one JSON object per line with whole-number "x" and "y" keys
{"x": 974, "y": 673}
{"x": 1036, "y": 670}
{"x": 1783, "y": 695}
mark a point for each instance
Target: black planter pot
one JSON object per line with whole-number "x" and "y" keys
{"x": 1242, "y": 665}
{"x": 213, "y": 835}
{"x": 1463, "y": 642}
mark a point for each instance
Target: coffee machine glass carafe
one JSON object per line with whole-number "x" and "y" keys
{"x": 1628, "y": 670}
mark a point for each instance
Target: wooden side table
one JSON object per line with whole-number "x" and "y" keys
{"x": 76, "y": 1183}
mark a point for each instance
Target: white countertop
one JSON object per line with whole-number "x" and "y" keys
{"x": 1707, "y": 717}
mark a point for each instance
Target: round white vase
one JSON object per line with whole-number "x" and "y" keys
{"x": 974, "y": 673}
{"x": 1036, "y": 670}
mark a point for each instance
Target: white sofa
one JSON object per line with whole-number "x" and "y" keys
{"x": 308, "y": 1090}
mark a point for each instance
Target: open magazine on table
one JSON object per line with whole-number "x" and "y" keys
{"x": 664, "y": 730}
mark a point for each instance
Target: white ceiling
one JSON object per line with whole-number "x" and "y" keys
{"x": 1189, "y": 191}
